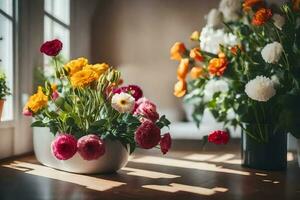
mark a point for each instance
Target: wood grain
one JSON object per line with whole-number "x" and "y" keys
{"x": 185, "y": 173}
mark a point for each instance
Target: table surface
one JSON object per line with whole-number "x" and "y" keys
{"x": 185, "y": 173}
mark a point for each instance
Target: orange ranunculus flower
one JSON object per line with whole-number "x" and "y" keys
{"x": 99, "y": 69}
{"x": 217, "y": 66}
{"x": 261, "y": 16}
{"x": 296, "y": 5}
{"x": 37, "y": 101}
{"x": 180, "y": 88}
{"x": 75, "y": 65}
{"x": 249, "y": 4}
{"x": 183, "y": 68}
{"x": 196, "y": 72}
{"x": 195, "y": 36}
{"x": 83, "y": 78}
{"x": 196, "y": 54}
{"x": 177, "y": 50}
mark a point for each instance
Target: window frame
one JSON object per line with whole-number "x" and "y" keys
{"x": 11, "y": 123}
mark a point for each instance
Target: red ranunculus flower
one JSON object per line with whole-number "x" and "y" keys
{"x": 90, "y": 147}
{"x": 218, "y": 137}
{"x": 147, "y": 135}
{"x": 51, "y": 48}
{"x": 134, "y": 90}
{"x": 64, "y": 146}
{"x": 165, "y": 143}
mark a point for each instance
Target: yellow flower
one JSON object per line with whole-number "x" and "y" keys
{"x": 195, "y": 36}
{"x": 37, "y": 101}
{"x": 75, "y": 65}
{"x": 83, "y": 78}
{"x": 54, "y": 87}
{"x": 99, "y": 69}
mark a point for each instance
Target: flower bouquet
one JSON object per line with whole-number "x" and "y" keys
{"x": 96, "y": 123}
{"x": 4, "y": 91}
{"x": 245, "y": 68}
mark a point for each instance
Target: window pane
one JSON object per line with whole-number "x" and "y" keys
{"x": 6, "y": 64}
{"x": 6, "y": 6}
{"x": 59, "y": 9}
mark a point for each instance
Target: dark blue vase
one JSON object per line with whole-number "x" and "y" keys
{"x": 271, "y": 155}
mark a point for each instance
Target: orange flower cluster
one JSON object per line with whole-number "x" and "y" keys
{"x": 217, "y": 66}
{"x": 261, "y": 16}
{"x": 178, "y": 51}
{"x": 249, "y": 4}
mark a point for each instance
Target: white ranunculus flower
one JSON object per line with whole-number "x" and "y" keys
{"x": 230, "y": 9}
{"x": 123, "y": 102}
{"x": 260, "y": 89}
{"x": 210, "y": 39}
{"x": 271, "y": 53}
{"x": 278, "y": 21}
{"x": 214, "y": 18}
{"x": 214, "y": 86}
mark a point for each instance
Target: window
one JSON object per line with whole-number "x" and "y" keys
{"x": 7, "y": 57}
{"x": 57, "y": 25}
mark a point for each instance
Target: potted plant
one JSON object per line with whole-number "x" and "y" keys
{"x": 254, "y": 50}
{"x": 4, "y": 91}
{"x": 95, "y": 123}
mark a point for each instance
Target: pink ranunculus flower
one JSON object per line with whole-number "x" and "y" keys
{"x": 147, "y": 135}
{"x": 165, "y": 143}
{"x": 26, "y": 112}
{"x": 147, "y": 109}
{"x": 90, "y": 147}
{"x": 64, "y": 146}
{"x": 55, "y": 95}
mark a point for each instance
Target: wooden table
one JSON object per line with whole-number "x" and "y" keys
{"x": 185, "y": 173}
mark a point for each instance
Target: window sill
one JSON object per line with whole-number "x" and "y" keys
{"x": 7, "y": 124}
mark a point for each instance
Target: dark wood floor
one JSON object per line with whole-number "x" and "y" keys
{"x": 185, "y": 173}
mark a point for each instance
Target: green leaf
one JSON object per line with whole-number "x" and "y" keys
{"x": 70, "y": 121}
{"x": 162, "y": 122}
{"x": 38, "y": 124}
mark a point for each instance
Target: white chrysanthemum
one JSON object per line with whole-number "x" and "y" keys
{"x": 271, "y": 53}
{"x": 260, "y": 89}
{"x": 214, "y": 18}
{"x": 230, "y": 9}
{"x": 278, "y": 21}
{"x": 210, "y": 39}
{"x": 214, "y": 86}
{"x": 122, "y": 102}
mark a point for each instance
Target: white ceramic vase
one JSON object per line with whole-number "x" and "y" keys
{"x": 115, "y": 157}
